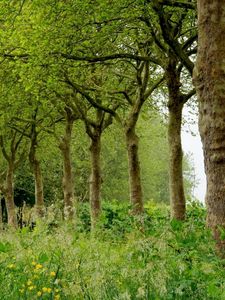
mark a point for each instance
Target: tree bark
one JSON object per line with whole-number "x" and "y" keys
{"x": 209, "y": 79}
{"x": 1, "y": 214}
{"x": 9, "y": 196}
{"x": 95, "y": 177}
{"x": 35, "y": 165}
{"x": 68, "y": 183}
{"x": 134, "y": 171}
{"x": 177, "y": 198}
{"x": 39, "y": 194}
{"x": 175, "y": 107}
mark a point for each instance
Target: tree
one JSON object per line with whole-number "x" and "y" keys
{"x": 96, "y": 121}
{"x": 209, "y": 80}
{"x": 68, "y": 180}
{"x": 10, "y": 154}
{"x": 176, "y": 45}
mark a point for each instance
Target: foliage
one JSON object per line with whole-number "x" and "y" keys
{"x": 166, "y": 260}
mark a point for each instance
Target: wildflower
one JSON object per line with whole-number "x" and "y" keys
{"x": 11, "y": 266}
{"x": 31, "y": 287}
{"x": 35, "y": 276}
{"x": 49, "y": 290}
{"x": 44, "y": 289}
{"x": 57, "y": 297}
{"x": 39, "y": 293}
{"x": 33, "y": 263}
{"x": 38, "y": 266}
{"x": 29, "y": 282}
{"x": 52, "y": 274}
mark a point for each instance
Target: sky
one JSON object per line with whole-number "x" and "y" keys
{"x": 192, "y": 144}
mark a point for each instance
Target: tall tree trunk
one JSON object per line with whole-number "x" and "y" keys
{"x": 95, "y": 177}
{"x": 9, "y": 196}
{"x": 134, "y": 170}
{"x": 36, "y": 167}
{"x": 39, "y": 195}
{"x": 209, "y": 78}
{"x": 1, "y": 214}
{"x": 175, "y": 107}
{"x": 68, "y": 184}
{"x": 177, "y": 198}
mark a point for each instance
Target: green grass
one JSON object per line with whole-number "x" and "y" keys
{"x": 123, "y": 259}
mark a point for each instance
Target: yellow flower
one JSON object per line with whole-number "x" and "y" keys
{"x": 46, "y": 290}
{"x": 38, "y": 266}
{"x": 52, "y": 274}
{"x": 35, "y": 276}
{"x": 57, "y": 290}
{"x": 33, "y": 263}
{"x": 29, "y": 282}
{"x": 31, "y": 287}
{"x": 11, "y": 266}
{"x": 39, "y": 293}
{"x": 57, "y": 297}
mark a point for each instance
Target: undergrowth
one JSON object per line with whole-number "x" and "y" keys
{"x": 125, "y": 258}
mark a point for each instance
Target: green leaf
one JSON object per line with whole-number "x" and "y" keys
{"x": 5, "y": 247}
{"x": 43, "y": 257}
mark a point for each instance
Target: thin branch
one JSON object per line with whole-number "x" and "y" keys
{"x": 77, "y": 88}
{"x": 175, "y": 3}
{"x": 186, "y": 97}
{"x": 170, "y": 40}
{"x": 3, "y": 149}
{"x": 19, "y": 130}
{"x": 153, "y": 87}
{"x": 107, "y": 57}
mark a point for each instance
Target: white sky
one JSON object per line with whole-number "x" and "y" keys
{"x": 192, "y": 144}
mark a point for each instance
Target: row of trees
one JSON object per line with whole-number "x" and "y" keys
{"x": 98, "y": 62}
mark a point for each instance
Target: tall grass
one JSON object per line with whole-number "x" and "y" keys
{"x": 123, "y": 259}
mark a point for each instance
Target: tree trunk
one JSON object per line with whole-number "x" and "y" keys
{"x": 209, "y": 78}
{"x": 1, "y": 214}
{"x": 35, "y": 165}
{"x": 95, "y": 178}
{"x": 9, "y": 197}
{"x": 177, "y": 198}
{"x": 175, "y": 107}
{"x": 134, "y": 171}
{"x": 39, "y": 195}
{"x": 68, "y": 184}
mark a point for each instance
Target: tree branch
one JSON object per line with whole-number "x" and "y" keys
{"x": 169, "y": 38}
{"x": 107, "y": 57}
{"x": 153, "y": 87}
{"x": 175, "y": 3}
{"x": 187, "y": 96}
{"x": 77, "y": 88}
{"x": 3, "y": 149}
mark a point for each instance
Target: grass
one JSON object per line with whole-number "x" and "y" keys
{"x": 122, "y": 259}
